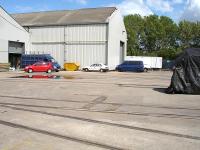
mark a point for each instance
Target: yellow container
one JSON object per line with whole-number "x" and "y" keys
{"x": 71, "y": 66}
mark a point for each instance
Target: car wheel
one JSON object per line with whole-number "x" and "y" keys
{"x": 30, "y": 70}
{"x": 145, "y": 70}
{"x": 86, "y": 69}
{"x": 49, "y": 71}
{"x": 101, "y": 70}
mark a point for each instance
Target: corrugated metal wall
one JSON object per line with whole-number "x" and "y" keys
{"x": 48, "y": 40}
{"x": 3, "y": 51}
{"x": 85, "y": 54}
{"x": 83, "y": 44}
{"x": 85, "y": 33}
{"x": 86, "y": 44}
{"x": 55, "y": 50}
{"x": 47, "y": 34}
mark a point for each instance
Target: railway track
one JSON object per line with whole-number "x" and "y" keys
{"x": 79, "y": 140}
{"x": 159, "y": 115}
{"x": 104, "y": 123}
{"x": 86, "y": 102}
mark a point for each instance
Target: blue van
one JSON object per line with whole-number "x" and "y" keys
{"x": 30, "y": 59}
{"x": 135, "y": 66}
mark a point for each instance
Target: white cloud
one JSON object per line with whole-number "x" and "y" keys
{"x": 177, "y": 1}
{"x": 161, "y": 5}
{"x": 23, "y": 8}
{"x": 82, "y": 2}
{"x": 146, "y": 7}
{"x": 134, "y": 7}
{"x": 192, "y": 11}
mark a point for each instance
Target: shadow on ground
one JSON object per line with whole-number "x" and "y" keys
{"x": 161, "y": 90}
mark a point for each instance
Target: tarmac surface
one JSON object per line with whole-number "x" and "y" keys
{"x": 96, "y": 111}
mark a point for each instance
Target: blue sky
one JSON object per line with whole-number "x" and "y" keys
{"x": 176, "y": 9}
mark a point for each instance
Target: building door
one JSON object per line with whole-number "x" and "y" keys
{"x": 15, "y": 50}
{"x": 121, "y": 51}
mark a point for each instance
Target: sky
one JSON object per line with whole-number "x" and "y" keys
{"x": 176, "y": 9}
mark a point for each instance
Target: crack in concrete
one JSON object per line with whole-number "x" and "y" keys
{"x": 96, "y": 101}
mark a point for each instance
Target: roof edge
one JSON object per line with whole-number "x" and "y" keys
{"x": 61, "y": 25}
{"x": 13, "y": 19}
{"x": 115, "y": 8}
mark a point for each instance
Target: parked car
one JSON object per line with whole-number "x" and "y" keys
{"x": 30, "y": 59}
{"x": 96, "y": 67}
{"x": 135, "y": 66}
{"x": 40, "y": 67}
{"x": 149, "y": 62}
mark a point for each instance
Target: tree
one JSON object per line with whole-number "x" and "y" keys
{"x": 189, "y": 34}
{"x": 196, "y": 34}
{"x": 160, "y": 36}
{"x": 170, "y": 33}
{"x": 185, "y": 33}
{"x": 134, "y": 26}
{"x": 161, "y": 33}
{"x": 153, "y": 33}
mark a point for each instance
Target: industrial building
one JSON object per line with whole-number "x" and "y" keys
{"x": 14, "y": 39}
{"x": 84, "y": 36}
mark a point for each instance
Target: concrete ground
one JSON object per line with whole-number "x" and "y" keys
{"x": 93, "y": 111}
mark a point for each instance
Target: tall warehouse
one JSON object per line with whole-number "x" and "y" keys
{"x": 84, "y": 36}
{"x": 14, "y": 39}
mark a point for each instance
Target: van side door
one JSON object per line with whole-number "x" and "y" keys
{"x": 133, "y": 66}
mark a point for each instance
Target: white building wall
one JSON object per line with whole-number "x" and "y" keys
{"x": 48, "y": 40}
{"x": 117, "y": 33}
{"x": 86, "y": 33}
{"x": 86, "y": 54}
{"x": 83, "y": 44}
{"x": 47, "y": 34}
{"x": 55, "y": 50}
{"x": 86, "y": 44}
{"x": 3, "y": 51}
{"x": 10, "y": 30}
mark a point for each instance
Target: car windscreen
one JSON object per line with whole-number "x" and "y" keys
{"x": 50, "y": 59}
{"x": 93, "y": 65}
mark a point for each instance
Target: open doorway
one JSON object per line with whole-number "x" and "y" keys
{"x": 14, "y": 60}
{"x": 15, "y": 49}
{"x": 122, "y": 47}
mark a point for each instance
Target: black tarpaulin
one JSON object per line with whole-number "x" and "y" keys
{"x": 186, "y": 74}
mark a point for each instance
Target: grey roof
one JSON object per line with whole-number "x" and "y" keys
{"x": 65, "y": 17}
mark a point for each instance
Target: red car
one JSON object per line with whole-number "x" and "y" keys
{"x": 39, "y": 67}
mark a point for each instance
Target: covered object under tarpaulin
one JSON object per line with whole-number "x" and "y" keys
{"x": 186, "y": 75}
